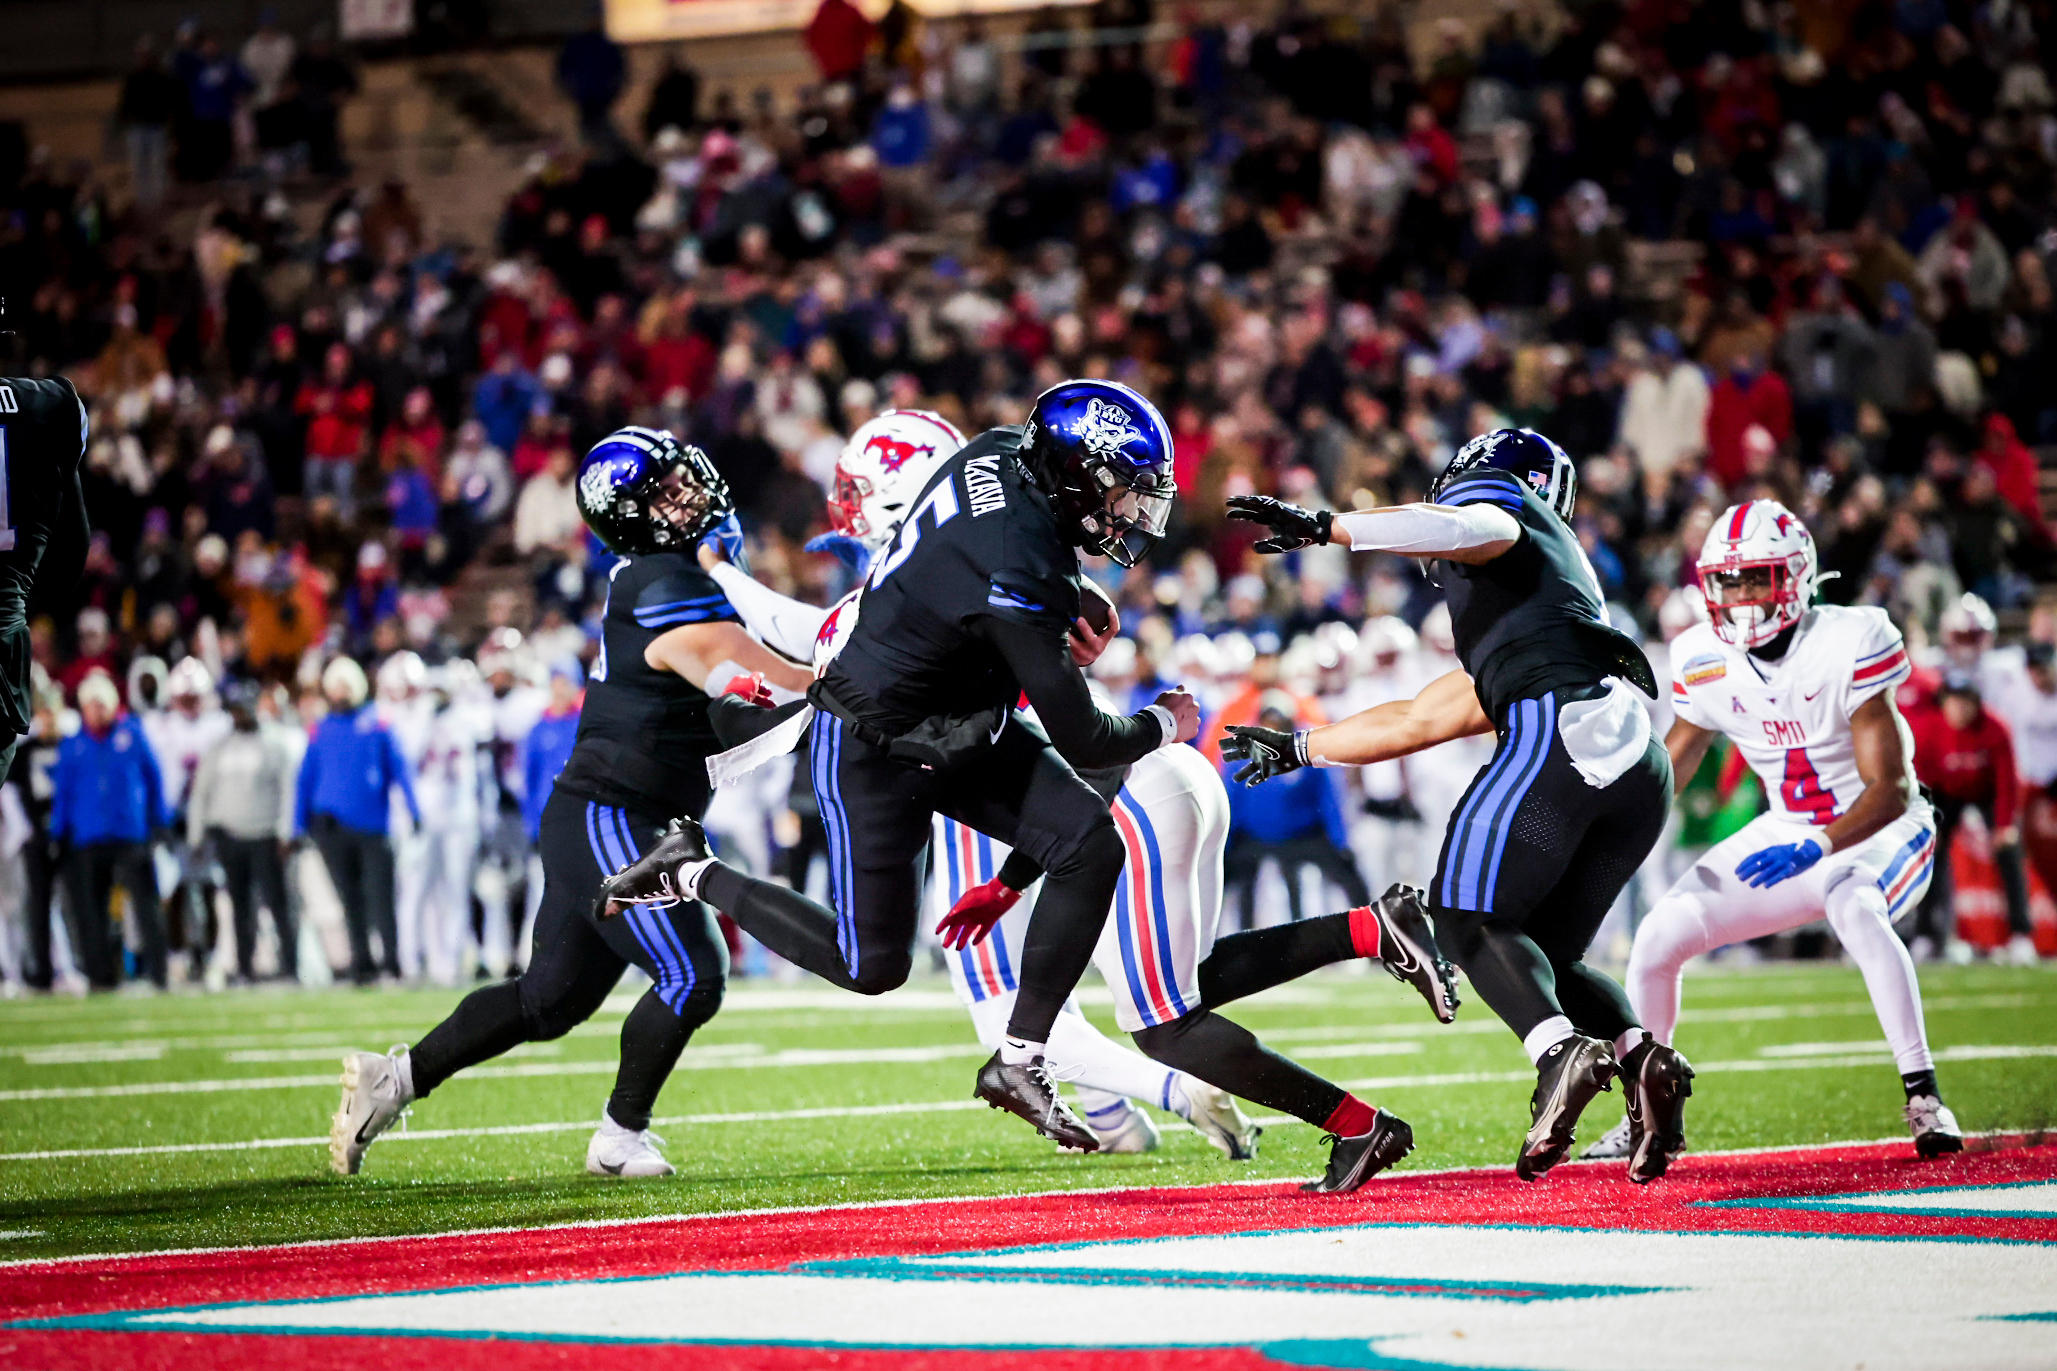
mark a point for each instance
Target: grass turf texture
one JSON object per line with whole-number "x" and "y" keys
{"x": 1777, "y": 1044}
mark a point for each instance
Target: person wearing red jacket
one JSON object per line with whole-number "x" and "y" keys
{"x": 1965, "y": 756}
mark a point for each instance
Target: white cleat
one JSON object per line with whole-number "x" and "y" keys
{"x": 1217, "y": 1118}
{"x": 1614, "y": 1145}
{"x": 2021, "y": 950}
{"x": 627, "y": 1153}
{"x": 1134, "y": 1134}
{"x": 375, "y": 1094}
{"x": 1934, "y": 1127}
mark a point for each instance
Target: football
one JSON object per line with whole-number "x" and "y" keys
{"x": 1095, "y": 608}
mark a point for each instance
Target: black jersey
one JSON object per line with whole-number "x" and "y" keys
{"x": 1532, "y": 619}
{"x": 980, "y": 543}
{"x": 42, "y": 518}
{"x": 644, "y": 738}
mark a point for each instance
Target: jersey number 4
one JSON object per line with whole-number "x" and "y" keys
{"x": 941, "y": 504}
{"x": 1802, "y": 790}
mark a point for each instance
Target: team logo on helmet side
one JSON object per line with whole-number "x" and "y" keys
{"x": 597, "y": 485}
{"x": 894, "y": 453}
{"x": 1105, "y": 429}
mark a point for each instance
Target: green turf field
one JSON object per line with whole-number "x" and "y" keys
{"x": 133, "y": 1123}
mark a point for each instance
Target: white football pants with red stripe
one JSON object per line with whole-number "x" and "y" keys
{"x": 1858, "y": 890}
{"x": 1173, "y": 819}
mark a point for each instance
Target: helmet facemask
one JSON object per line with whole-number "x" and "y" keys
{"x": 684, "y": 505}
{"x": 1750, "y": 603}
{"x": 846, "y": 506}
{"x": 1119, "y": 519}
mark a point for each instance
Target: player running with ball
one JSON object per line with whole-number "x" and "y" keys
{"x": 1576, "y": 793}
{"x": 1805, "y": 692}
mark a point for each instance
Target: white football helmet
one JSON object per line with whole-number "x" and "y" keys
{"x": 401, "y": 676}
{"x": 189, "y": 678}
{"x": 1758, "y": 571}
{"x": 1967, "y": 629}
{"x": 884, "y": 466}
{"x": 1385, "y": 643}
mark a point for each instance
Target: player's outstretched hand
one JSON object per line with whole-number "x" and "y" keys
{"x": 843, "y": 548}
{"x": 1267, "y": 752}
{"x": 1291, "y": 527}
{"x": 973, "y": 917}
{"x": 1185, "y": 712}
{"x": 1781, "y": 863}
{"x": 749, "y": 687}
{"x": 722, "y": 543}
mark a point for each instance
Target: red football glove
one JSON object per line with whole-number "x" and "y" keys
{"x": 749, "y": 687}
{"x": 973, "y": 917}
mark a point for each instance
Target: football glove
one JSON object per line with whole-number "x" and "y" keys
{"x": 1774, "y": 864}
{"x": 1267, "y": 752}
{"x": 973, "y": 917}
{"x": 749, "y": 687}
{"x": 844, "y": 549}
{"x": 1291, "y": 527}
{"x": 728, "y": 536}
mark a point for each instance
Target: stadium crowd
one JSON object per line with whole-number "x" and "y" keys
{"x": 1717, "y": 249}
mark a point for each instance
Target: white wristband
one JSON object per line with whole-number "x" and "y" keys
{"x": 1828, "y": 844}
{"x": 724, "y": 672}
{"x": 1166, "y": 721}
{"x": 1303, "y": 754}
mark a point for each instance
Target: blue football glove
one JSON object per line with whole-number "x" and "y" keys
{"x": 844, "y": 549}
{"x": 1775, "y": 864}
{"x": 728, "y": 536}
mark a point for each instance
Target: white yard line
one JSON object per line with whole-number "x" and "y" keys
{"x": 1417, "y": 1082}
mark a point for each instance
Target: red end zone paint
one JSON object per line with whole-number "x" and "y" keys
{"x": 1699, "y": 1197}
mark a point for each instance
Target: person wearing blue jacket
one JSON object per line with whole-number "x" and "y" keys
{"x": 351, "y": 767}
{"x": 1296, "y": 821}
{"x": 107, "y": 802}
{"x": 548, "y": 746}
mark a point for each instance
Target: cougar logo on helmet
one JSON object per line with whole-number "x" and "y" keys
{"x": 1105, "y": 429}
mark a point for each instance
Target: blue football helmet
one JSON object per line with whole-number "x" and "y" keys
{"x": 1526, "y": 455}
{"x": 643, "y": 491}
{"x": 1103, "y": 453}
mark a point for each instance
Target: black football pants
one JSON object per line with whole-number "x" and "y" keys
{"x": 255, "y": 874}
{"x": 577, "y": 959}
{"x": 877, "y": 814}
{"x": 1533, "y": 860}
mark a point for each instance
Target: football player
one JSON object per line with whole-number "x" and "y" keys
{"x": 1805, "y": 692}
{"x": 43, "y": 532}
{"x": 641, "y": 755}
{"x": 1553, "y": 827}
{"x": 969, "y": 608}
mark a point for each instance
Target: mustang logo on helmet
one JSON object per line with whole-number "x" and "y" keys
{"x": 894, "y": 453}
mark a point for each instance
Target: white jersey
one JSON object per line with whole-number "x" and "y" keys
{"x": 514, "y": 715}
{"x": 408, "y": 721}
{"x": 2031, "y": 716}
{"x": 1791, "y": 718}
{"x": 179, "y": 743}
{"x": 446, "y": 773}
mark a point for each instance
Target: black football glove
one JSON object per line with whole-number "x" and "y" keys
{"x": 1267, "y": 751}
{"x": 1291, "y": 527}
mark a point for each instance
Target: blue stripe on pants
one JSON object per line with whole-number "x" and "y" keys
{"x": 600, "y": 833}
{"x": 1158, "y": 919}
{"x": 835, "y": 822}
{"x": 680, "y": 978}
{"x": 1503, "y": 824}
{"x": 1460, "y": 827}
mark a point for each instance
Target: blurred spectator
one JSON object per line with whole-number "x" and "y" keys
{"x": 591, "y": 72}
{"x": 341, "y": 802}
{"x": 322, "y": 80}
{"x": 151, "y": 100}
{"x": 1964, "y": 755}
{"x": 547, "y": 515}
{"x": 242, "y": 804}
{"x": 215, "y": 86}
{"x": 107, "y": 805}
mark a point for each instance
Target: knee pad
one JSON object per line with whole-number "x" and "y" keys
{"x": 544, "y": 1021}
{"x": 1671, "y": 934}
{"x": 882, "y": 972}
{"x": 1165, "y": 1042}
{"x": 1855, "y": 908}
{"x": 705, "y": 1001}
{"x": 1099, "y": 853}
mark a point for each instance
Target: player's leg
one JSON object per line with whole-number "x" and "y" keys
{"x": 1935, "y": 918}
{"x": 138, "y": 875}
{"x": 239, "y": 873}
{"x": 268, "y": 870}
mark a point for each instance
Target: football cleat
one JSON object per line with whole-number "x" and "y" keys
{"x": 375, "y": 1095}
{"x": 1353, "y": 1161}
{"x": 653, "y": 878}
{"x": 1571, "y": 1073}
{"x": 1407, "y": 950}
{"x": 1934, "y": 1127}
{"x": 1129, "y": 1131}
{"x": 1027, "y": 1092}
{"x": 1217, "y": 1118}
{"x": 630, "y": 1153}
{"x": 1657, "y": 1081}
{"x": 2021, "y": 951}
{"x": 1614, "y": 1145}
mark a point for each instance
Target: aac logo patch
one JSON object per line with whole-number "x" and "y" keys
{"x": 1706, "y": 668}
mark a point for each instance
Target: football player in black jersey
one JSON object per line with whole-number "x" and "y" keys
{"x": 1553, "y": 827}
{"x": 668, "y": 636}
{"x": 970, "y": 607}
{"x": 43, "y": 531}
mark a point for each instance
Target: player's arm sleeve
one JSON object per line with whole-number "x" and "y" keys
{"x": 785, "y": 625}
{"x": 686, "y": 595}
{"x": 1881, "y": 659}
{"x": 1438, "y": 530}
{"x": 1086, "y": 737}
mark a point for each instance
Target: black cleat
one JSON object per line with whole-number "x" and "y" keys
{"x": 1407, "y": 950}
{"x": 1657, "y": 1081}
{"x": 1571, "y": 1074}
{"x": 1027, "y": 1092}
{"x": 653, "y": 878}
{"x": 1935, "y": 1129}
{"x": 1353, "y": 1161}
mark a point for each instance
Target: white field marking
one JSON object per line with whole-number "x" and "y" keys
{"x": 69, "y": 1054}
{"x": 857, "y": 1206}
{"x": 1422, "y": 1028}
{"x": 10, "y": 1234}
{"x": 1868, "y": 1046}
{"x": 332, "y": 1051}
{"x": 1432, "y": 1081}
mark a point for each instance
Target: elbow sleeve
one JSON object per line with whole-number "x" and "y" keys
{"x": 1427, "y": 530}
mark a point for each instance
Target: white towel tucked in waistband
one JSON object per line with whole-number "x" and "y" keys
{"x": 1605, "y": 736}
{"x": 725, "y": 768}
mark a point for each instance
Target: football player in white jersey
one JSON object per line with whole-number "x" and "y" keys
{"x": 406, "y": 711}
{"x": 180, "y": 734}
{"x": 1172, "y": 813}
{"x": 447, "y": 786}
{"x": 515, "y": 702}
{"x": 1805, "y": 692}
